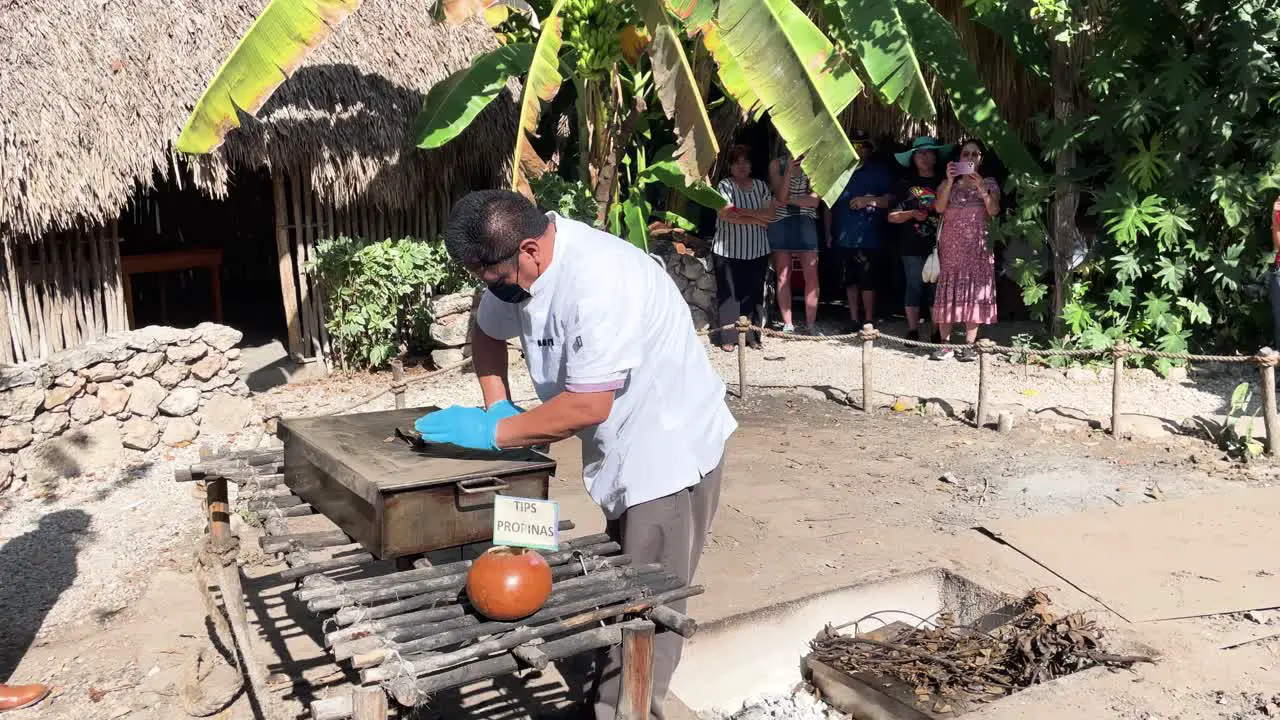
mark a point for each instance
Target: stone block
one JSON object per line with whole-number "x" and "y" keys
{"x": 171, "y": 375}
{"x": 51, "y": 423}
{"x": 224, "y": 414}
{"x": 451, "y": 331}
{"x": 181, "y": 402}
{"x": 454, "y": 304}
{"x": 15, "y": 437}
{"x": 140, "y": 434}
{"x": 208, "y": 366}
{"x": 180, "y": 432}
{"x": 86, "y": 409}
{"x": 21, "y": 403}
{"x": 143, "y": 364}
{"x": 146, "y": 397}
{"x": 114, "y": 398}
{"x": 186, "y": 353}
{"x": 218, "y": 337}
{"x": 60, "y": 395}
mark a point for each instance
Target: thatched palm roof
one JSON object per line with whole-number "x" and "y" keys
{"x": 94, "y": 92}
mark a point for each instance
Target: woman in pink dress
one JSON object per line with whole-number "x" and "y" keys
{"x": 966, "y": 291}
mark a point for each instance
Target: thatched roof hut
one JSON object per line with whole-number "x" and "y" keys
{"x": 94, "y": 92}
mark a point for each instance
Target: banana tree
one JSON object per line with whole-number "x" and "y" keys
{"x": 770, "y": 57}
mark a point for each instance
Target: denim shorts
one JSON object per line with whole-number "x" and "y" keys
{"x": 913, "y": 271}
{"x": 794, "y": 233}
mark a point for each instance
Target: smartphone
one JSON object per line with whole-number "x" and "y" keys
{"x": 964, "y": 168}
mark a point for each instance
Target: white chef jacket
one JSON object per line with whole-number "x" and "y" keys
{"x": 604, "y": 316}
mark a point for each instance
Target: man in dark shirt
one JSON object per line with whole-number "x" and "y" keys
{"x": 856, "y": 226}
{"x": 917, "y": 222}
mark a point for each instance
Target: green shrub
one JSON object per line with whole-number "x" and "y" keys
{"x": 377, "y": 295}
{"x": 570, "y": 199}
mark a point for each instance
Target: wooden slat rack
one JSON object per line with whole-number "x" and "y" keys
{"x": 403, "y": 634}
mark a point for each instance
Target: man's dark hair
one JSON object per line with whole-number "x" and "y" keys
{"x": 487, "y": 227}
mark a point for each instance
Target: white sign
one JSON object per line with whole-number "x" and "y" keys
{"x": 525, "y": 522}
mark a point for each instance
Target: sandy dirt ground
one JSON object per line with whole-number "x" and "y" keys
{"x": 817, "y": 496}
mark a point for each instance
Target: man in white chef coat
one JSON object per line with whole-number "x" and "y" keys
{"x": 615, "y": 360}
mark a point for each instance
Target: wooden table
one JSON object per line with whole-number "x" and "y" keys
{"x": 173, "y": 261}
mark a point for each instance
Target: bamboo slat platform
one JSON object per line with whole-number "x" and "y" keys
{"x": 409, "y": 633}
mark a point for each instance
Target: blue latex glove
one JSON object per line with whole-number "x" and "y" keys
{"x": 468, "y": 427}
{"x": 504, "y": 409}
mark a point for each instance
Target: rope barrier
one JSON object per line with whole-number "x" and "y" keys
{"x": 1266, "y": 360}
{"x": 978, "y": 347}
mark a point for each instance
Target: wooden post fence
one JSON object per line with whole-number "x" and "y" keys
{"x": 1267, "y": 368}
{"x": 397, "y": 382}
{"x": 868, "y": 344}
{"x": 1118, "y": 352}
{"x": 985, "y": 348}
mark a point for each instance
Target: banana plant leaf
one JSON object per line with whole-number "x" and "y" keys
{"x": 939, "y": 47}
{"x": 540, "y": 86}
{"x": 797, "y": 75}
{"x": 452, "y": 104}
{"x": 669, "y": 173}
{"x": 678, "y": 91}
{"x": 635, "y": 220}
{"x": 275, "y": 45}
{"x": 884, "y": 49}
{"x": 732, "y": 79}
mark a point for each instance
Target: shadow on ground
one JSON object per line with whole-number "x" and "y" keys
{"x": 35, "y": 569}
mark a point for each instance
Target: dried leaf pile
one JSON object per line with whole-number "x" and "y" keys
{"x": 952, "y": 666}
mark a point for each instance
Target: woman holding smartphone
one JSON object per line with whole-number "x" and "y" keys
{"x": 966, "y": 290}
{"x": 794, "y": 234}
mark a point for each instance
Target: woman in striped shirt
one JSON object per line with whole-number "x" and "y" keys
{"x": 742, "y": 246}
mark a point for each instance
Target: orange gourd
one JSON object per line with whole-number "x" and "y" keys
{"x": 508, "y": 583}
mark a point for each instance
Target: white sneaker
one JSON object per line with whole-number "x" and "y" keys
{"x": 942, "y": 354}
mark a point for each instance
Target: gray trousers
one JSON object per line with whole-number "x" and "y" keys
{"x": 671, "y": 530}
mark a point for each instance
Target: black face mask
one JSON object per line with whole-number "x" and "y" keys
{"x": 509, "y": 293}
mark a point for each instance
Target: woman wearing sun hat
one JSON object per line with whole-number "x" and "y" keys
{"x": 917, "y": 221}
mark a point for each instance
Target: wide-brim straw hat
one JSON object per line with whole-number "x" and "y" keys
{"x": 924, "y": 142}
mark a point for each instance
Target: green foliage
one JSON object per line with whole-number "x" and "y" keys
{"x": 569, "y": 199}
{"x": 377, "y": 294}
{"x": 1179, "y": 161}
{"x": 454, "y": 102}
{"x": 1237, "y": 430}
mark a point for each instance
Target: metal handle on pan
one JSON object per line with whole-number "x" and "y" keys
{"x": 476, "y": 486}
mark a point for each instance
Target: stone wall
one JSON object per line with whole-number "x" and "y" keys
{"x": 451, "y": 327}
{"x": 84, "y": 407}
{"x": 689, "y": 263}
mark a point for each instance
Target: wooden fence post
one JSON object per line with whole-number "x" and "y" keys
{"x": 1118, "y": 353}
{"x": 397, "y": 381}
{"x": 868, "y": 334}
{"x": 984, "y": 365}
{"x": 1267, "y": 367}
{"x": 744, "y": 327}
{"x": 637, "y": 670}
